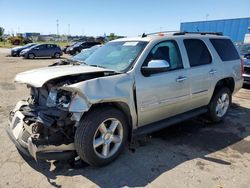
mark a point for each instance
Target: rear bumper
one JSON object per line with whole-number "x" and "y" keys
{"x": 23, "y": 140}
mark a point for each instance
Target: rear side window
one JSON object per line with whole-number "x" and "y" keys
{"x": 225, "y": 49}
{"x": 197, "y": 52}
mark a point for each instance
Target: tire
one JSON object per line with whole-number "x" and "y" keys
{"x": 90, "y": 131}
{"x": 218, "y": 107}
{"x": 57, "y": 55}
{"x": 31, "y": 56}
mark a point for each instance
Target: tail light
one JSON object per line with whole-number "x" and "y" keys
{"x": 242, "y": 67}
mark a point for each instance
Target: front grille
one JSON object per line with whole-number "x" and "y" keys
{"x": 247, "y": 70}
{"x": 25, "y": 136}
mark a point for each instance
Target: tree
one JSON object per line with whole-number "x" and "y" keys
{"x": 1, "y": 31}
{"x": 112, "y": 36}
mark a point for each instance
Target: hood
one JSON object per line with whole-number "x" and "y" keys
{"x": 38, "y": 77}
{"x": 25, "y": 50}
{"x": 17, "y": 48}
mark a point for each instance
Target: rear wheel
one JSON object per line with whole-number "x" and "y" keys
{"x": 57, "y": 55}
{"x": 31, "y": 56}
{"x": 101, "y": 136}
{"x": 219, "y": 104}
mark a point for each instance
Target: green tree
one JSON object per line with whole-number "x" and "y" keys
{"x": 112, "y": 36}
{"x": 1, "y": 31}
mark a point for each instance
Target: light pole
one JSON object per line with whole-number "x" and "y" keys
{"x": 207, "y": 16}
{"x": 57, "y": 27}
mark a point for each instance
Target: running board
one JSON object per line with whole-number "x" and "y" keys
{"x": 153, "y": 127}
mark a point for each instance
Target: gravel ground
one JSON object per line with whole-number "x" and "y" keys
{"x": 190, "y": 154}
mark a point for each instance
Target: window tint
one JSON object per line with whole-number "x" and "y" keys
{"x": 168, "y": 51}
{"x": 197, "y": 52}
{"x": 50, "y": 46}
{"x": 225, "y": 49}
{"x": 41, "y": 47}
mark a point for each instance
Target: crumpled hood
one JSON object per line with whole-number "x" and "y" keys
{"x": 37, "y": 77}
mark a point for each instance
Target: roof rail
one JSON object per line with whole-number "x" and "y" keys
{"x": 155, "y": 33}
{"x": 201, "y": 33}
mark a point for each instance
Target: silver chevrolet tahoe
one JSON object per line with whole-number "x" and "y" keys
{"x": 128, "y": 87}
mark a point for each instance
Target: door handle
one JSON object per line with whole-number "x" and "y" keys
{"x": 213, "y": 71}
{"x": 181, "y": 79}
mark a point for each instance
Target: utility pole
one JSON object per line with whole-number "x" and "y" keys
{"x": 57, "y": 27}
{"x": 68, "y": 29}
{"x": 207, "y": 16}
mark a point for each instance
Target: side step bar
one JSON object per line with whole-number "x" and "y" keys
{"x": 153, "y": 127}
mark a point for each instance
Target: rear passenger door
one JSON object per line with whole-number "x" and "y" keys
{"x": 50, "y": 51}
{"x": 201, "y": 72}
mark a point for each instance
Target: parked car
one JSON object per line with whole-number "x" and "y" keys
{"x": 128, "y": 87}
{"x": 64, "y": 49}
{"x": 244, "y": 50}
{"x": 42, "y": 50}
{"x": 246, "y": 75}
{"x": 76, "y": 48}
{"x": 16, "y": 50}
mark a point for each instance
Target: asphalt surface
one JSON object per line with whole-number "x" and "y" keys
{"x": 190, "y": 154}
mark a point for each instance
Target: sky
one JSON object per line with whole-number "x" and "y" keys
{"x": 122, "y": 17}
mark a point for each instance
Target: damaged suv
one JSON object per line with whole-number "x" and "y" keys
{"x": 129, "y": 87}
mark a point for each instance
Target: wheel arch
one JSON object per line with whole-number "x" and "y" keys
{"x": 124, "y": 108}
{"x": 225, "y": 82}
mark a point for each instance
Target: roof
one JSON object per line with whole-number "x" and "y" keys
{"x": 149, "y": 38}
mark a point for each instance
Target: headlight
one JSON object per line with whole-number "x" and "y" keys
{"x": 59, "y": 98}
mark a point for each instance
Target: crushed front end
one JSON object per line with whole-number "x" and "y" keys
{"x": 42, "y": 126}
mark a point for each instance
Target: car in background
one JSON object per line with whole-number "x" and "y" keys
{"x": 77, "y": 48}
{"x": 244, "y": 50}
{"x": 42, "y": 50}
{"x": 84, "y": 54}
{"x": 16, "y": 50}
{"x": 64, "y": 49}
{"x": 246, "y": 73}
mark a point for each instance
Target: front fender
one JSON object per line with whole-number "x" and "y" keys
{"x": 115, "y": 88}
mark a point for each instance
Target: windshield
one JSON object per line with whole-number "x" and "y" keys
{"x": 28, "y": 45}
{"x": 85, "y": 53}
{"x": 117, "y": 56}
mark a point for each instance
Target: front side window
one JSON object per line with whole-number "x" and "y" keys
{"x": 197, "y": 52}
{"x": 118, "y": 56}
{"x": 167, "y": 51}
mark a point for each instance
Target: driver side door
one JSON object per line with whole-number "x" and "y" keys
{"x": 164, "y": 94}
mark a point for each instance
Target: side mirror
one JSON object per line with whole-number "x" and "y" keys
{"x": 155, "y": 66}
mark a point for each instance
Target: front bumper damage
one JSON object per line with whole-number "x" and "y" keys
{"x": 21, "y": 134}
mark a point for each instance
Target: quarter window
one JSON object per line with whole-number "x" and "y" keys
{"x": 197, "y": 52}
{"x": 167, "y": 51}
{"x": 225, "y": 49}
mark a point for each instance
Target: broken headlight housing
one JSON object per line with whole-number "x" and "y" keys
{"x": 59, "y": 98}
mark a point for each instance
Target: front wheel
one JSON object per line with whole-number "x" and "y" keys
{"x": 31, "y": 56}
{"x": 101, "y": 136}
{"x": 220, "y": 104}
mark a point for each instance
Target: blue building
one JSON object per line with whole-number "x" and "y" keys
{"x": 28, "y": 35}
{"x": 234, "y": 28}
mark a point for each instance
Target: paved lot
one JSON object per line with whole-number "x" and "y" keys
{"x": 190, "y": 154}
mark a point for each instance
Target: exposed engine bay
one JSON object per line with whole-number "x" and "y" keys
{"x": 47, "y": 123}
